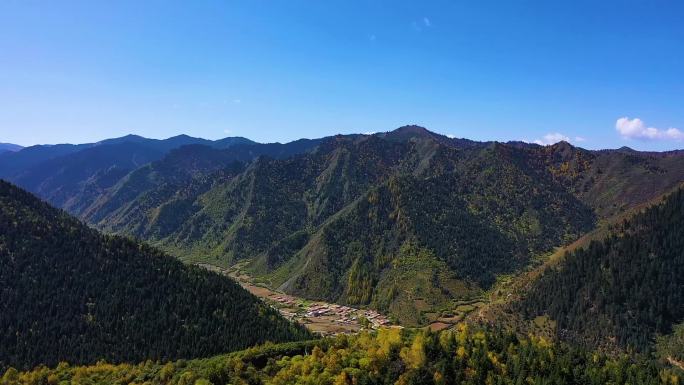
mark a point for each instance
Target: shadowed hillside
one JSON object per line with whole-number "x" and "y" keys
{"x": 71, "y": 293}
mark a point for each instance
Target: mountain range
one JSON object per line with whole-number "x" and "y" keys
{"x": 408, "y": 222}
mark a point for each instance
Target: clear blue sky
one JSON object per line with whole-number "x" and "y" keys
{"x": 79, "y": 71}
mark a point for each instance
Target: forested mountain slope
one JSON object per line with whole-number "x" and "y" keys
{"x": 329, "y": 223}
{"x": 183, "y": 174}
{"x": 314, "y": 187}
{"x": 479, "y": 214}
{"x": 243, "y": 215}
{"x": 176, "y": 175}
{"x": 71, "y": 293}
{"x": 621, "y": 291}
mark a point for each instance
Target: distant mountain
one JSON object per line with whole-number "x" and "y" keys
{"x": 12, "y": 163}
{"x": 186, "y": 170}
{"x": 72, "y": 294}
{"x": 166, "y": 145}
{"x": 19, "y": 162}
{"x": 60, "y": 173}
{"x": 58, "y": 180}
{"x": 623, "y": 290}
{"x": 9, "y": 147}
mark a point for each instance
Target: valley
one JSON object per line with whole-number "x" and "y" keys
{"x": 322, "y": 318}
{"x": 328, "y": 319}
{"x": 400, "y": 232}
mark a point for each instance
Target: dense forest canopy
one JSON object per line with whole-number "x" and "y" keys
{"x": 71, "y": 293}
{"x": 623, "y": 290}
{"x": 390, "y": 356}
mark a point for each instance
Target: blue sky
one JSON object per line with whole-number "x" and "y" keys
{"x": 79, "y": 71}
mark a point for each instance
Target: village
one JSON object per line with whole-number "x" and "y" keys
{"x": 326, "y": 318}
{"x": 318, "y": 316}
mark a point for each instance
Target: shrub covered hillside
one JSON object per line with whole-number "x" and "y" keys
{"x": 624, "y": 290}
{"x": 389, "y": 357}
{"x": 71, "y": 293}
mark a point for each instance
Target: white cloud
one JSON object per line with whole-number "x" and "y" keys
{"x": 580, "y": 139}
{"x": 550, "y": 138}
{"x": 227, "y": 131}
{"x": 637, "y": 129}
{"x": 427, "y": 22}
{"x": 369, "y": 133}
{"x": 450, "y": 136}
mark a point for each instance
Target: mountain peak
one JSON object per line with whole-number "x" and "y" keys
{"x": 626, "y": 149}
{"x": 408, "y": 132}
{"x": 123, "y": 139}
{"x": 412, "y": 129}
{"x": 131, "y": 137}
{"x": 562, "y": 146}
{"x": 181, "y": 136}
